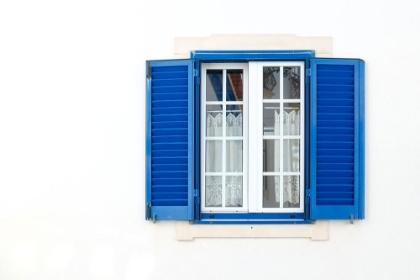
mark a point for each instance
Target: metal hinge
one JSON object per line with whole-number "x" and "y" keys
{"x": 307, "y": 76}
{"x": 307, "y": 197}
{"x": 149, "y": 211}
{"x": 196, "y": 197}
{"x": 149, "y": 71}
{"x": 197, "y": 79}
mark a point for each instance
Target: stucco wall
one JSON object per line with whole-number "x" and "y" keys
{"x": 72, "y": 141}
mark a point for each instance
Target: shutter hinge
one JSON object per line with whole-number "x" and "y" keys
{"x": 149, "y": 71}
{"x": 307, "y": 76}
{"x": 197, "y": 79}
{"x": 149, "y": 211}
{"x": 307, "y": 197}
{"x": 196, "y": 197}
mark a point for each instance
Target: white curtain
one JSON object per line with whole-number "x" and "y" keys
{"x": 234, "y": 150}
{"x": 291, "y": 125}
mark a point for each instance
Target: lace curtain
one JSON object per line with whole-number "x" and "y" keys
{"x": 291, "y": 124}
{"x": 233, "y": 160}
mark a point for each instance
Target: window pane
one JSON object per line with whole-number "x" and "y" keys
{"x": 271, "y": 118}
{"x": 234, "y": 156}
{"x": 291, "y": 192}
{"x": 214, "y": 123}
{"x": 234, "y": 85}
{"x": 271, "y": 191}
{"x": 291, "y": 155}
{"x": 213, "y": 191}
{"x": 234, "y": 117}
{"x": 271, "y": 155}
{"x": 214, "y": 156}
{"x": 214, "y": 85}
{"x": 271, "y": 82}
{"x": 291, "y": 82}
{"x": 291, "y": 119}
{"x": 233, "y": 191}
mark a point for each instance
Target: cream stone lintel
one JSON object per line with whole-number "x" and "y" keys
{"x": 323, "y": 48}
{"x": 321, "y": 45}
{"x": 317, "y": 231}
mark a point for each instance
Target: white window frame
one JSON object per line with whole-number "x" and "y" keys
{"x": 252, "y": 157}
{"x": 256, "y": 139}
{"x": 245, "y": 170}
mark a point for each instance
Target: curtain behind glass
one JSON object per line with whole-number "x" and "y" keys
{"x": 233, "y": 160}
{"x": 291, "y": 123}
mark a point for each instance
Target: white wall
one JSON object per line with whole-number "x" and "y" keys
{"x": 72, "y": 141}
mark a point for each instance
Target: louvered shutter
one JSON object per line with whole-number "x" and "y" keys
{"x": 337, "y": 139}
{"x": 169, "y": 140}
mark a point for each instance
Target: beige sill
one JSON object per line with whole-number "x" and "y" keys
{"x": 317, "y": 231}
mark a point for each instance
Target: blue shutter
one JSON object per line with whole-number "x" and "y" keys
{"x": 169, "y": 140}
{"x": 337, "y": 139}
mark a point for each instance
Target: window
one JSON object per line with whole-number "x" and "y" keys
{"x": 255, "y": 137}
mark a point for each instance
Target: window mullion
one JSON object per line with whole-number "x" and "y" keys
{"x": 281, "y": 139}
{"x": 224, "y": 140}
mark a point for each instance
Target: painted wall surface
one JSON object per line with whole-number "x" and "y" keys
{"x": 72, "y": 141}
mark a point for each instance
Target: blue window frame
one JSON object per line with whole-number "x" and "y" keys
{"x": 334, "y": 138}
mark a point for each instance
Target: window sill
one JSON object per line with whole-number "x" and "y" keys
{"x": 317, "y": 231}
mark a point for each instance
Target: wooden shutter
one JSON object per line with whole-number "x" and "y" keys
{"x": 337, "y": 139}
{"x": 169, "y": 140}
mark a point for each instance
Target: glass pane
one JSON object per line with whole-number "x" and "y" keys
{"x": 291, "y": 193}
{"x": 213, "y": 191}
{"x": 214, "y": 156}
{"x": 234, "y": 156}
{"x": 271, "y": 191}
{"x": 214, "y": 120}
{"x": 271, "y": 82}
{"x": 291, "y": 82}
{"x": 291, "y": 119}
{"x": 271, "y": 118}
{"x": 234, "y": 85}
{"x": 233, "y": 191}
{"x": 291, "y": 155}
{"x": 271, "y": 155}
{"x": 214, "y": 85}
{"x": 234, "y": 118}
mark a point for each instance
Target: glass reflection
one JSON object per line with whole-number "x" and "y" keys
{"x": 271, "y": 82}
{"x": 214, "y": 85}
{"x": 291, "y": 82}
{"x": 234, "y": 85}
